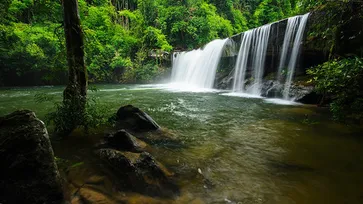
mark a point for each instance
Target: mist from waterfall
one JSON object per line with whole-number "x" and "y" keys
{"x": 197, "y": 68}
{"x": 290, "y": 50}
{"x": 252, "y": 51}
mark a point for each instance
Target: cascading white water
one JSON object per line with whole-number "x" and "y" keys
{"x": 257, "y": 41}
{"x": 197, "y": 68}
{"x": 241, "y": 64}
{"x": 259, "y": 57}
{"x": 294, "y": 34}
{"x": 290, "y": 32}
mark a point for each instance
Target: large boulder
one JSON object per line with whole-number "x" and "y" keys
{"x": 132, "y": 118}
{"x": 138, "y": 173}
{"x": 29, "y": 173}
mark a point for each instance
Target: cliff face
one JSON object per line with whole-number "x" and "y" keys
{"x": 331, "y": 31}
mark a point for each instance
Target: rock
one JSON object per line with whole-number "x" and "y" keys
{"x": 95, "y": 179}
{"x": 138, "y": 173}
{"x": 272, "y": 89}
{"x": 88, "y": 195}
{"x": 283, "y": 167}
{"x": 122, "y": 140}
{"x": 300, "y": 93}
{"x": 29, "y": 173}
{"x": 152, "y": 170}
{"x": 225, "y": 83}
{"x": 134, "y": 119}
{"x": 161, "y": 138}
{"x": 123, "y": 167}
{"x": 311, "y": 98}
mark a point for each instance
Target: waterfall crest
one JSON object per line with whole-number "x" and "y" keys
{"x": 198, "y": 68}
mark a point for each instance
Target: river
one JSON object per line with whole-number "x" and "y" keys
{"x": 249, "y": 150}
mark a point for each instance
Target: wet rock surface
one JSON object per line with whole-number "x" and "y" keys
{"x": 29, "y": 173}
{"x": 132, "y": 118}
{"x": 122, "y": 140}
{"x": 272, "y": 89}
{"x": 138, "y": 172}
{"x": 300, "y": 93}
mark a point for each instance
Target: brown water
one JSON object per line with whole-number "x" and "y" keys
{"x": 248, "y": 151}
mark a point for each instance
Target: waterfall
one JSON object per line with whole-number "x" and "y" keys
{"x": 198, "y": 68}
{"x": 294, "y": 34}
{"x": 253, "y": 50}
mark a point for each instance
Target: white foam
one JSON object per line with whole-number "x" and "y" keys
{"x": 242, "y": 95}
{"x": 279, "y": 101}
{"x": 183, "y": 87}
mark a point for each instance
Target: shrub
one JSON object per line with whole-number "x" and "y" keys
{"x": 342, "y": 79}
{"x": 66, "y": 115}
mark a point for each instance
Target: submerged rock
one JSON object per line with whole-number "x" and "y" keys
{"x": 29, "y": 173}
{"x": 139, "y": 173}
{"x": 89, "y": 195}
{"x": 283, "y": 167}
{"x": 272, "y": 89}
{"x": 132, "y": 118}
{"x": 122, "y": 140}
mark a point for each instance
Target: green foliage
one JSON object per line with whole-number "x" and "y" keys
{"x": 335, "y": 27}
{"x": 342, "y": 79}
{"x": 154, "y": 38}
{"x": 119, "y": 36}
{"x": 26, "y": 48}
{"x": 272, "y": 10}
{"x": 65, "y": 115}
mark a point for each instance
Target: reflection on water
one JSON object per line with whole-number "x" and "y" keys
{"x": 238, "y": 150}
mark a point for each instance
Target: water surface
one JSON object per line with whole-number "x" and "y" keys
{"x": 249, "y": 150}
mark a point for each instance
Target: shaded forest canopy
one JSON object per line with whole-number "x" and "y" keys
{"x": 121, "y": 34}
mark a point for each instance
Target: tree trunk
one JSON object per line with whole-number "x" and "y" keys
{"x": 75, "y": 94}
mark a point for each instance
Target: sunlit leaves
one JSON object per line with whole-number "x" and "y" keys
{"x": 154, "y": 38}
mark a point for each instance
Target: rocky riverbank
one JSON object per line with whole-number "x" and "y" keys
{"x": 121, "y": 166}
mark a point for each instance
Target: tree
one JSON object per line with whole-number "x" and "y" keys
{"x": 75, "y": 94}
